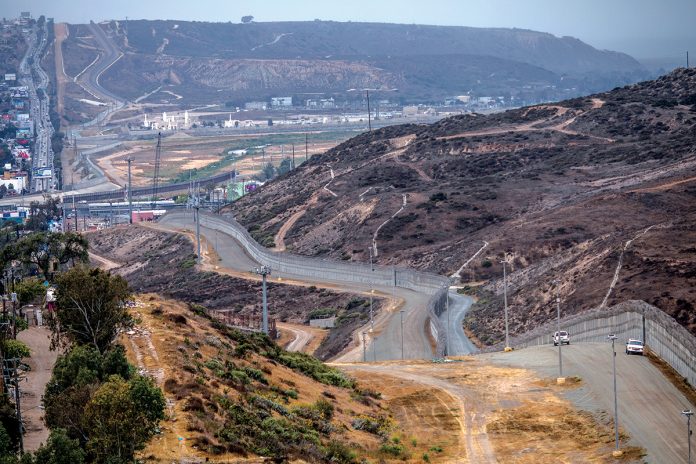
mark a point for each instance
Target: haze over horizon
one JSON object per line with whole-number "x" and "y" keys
{"x": 642, "y": 28}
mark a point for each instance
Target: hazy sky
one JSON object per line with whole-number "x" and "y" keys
{"x": 642, "y": 28}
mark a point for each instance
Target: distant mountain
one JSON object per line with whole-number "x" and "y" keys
{"x": 561, "y": 187}
{"x": 200, "y": 61}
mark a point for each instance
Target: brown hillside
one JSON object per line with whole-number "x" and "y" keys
{"x": 562, "y": 187}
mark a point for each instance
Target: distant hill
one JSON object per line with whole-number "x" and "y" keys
{"x": 562, "y": 187}
{"x": 200, "y": 61}
{"x": 326, "y": 39}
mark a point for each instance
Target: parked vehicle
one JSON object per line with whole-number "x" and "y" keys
{"x": 563, "y": 339}
{"x": 634, "y": 346}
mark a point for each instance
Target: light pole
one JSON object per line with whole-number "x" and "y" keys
{"x": 364, "y": 334}
{"x": 401, "y": 313}
{"x": 688, "y": 413}
{"x": 372, "y": 319}
{"x": 130, "y": 194}
{"x": 264, "y": 271}
{"x": 507, "y": 333}
{"x": 447, "y": 335}
{"x": 616, "y": 452}
{"x": 558, "y": 319}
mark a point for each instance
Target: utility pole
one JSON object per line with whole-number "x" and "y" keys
{"x": 688, "y": 413}
{"x": 687, "y": 59}
{"x": 369, "y": 121}
{"x": 264, "y": 271}
{"x": 74, "y": 210}
{"x": 401, "y": 313}
{"x": 198, "y": 231}
{"x": 306, "y": 150}
{"x": 616, "y": 452}
{"x": 130, "y": 192}
{"x": 293, "y": 156}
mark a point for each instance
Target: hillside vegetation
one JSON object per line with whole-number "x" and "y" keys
{"x": 561, "y": 188}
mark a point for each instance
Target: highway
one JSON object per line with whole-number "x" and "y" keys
{"x": 386, "y": 340}
{"x": 36, "y": 79}
{"x": 649, "y": 405}
{"x": 89, "y": 78}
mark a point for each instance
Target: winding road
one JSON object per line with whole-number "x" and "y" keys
{"x": 384, "y": 342}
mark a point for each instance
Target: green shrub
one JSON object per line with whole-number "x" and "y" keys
{"x": 392, "y": 449}
{"x": 15, "y": 349}
{"x": 337, "y": 452}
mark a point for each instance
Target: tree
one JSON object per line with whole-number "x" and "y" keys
{"x": 268, "y": 171}
{"x": 40, "y": 214}
{"x": 42, "y": 249}
{"x": 29, "y": 290}
{"x": 121, "y": 417}
{"x": 91, "y": 308}
{"x": 76, "y": 376}
{"x": 247, "y": 19}
{"x": 285, "y": 166}
{"x": 3, "y": 190}
{"x": 60, "y": 449}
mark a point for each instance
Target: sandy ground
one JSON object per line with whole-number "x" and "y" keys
{"x": 183, "y": 154}
{"x": 479, "y": 413}
{"x": 41, "y": 362}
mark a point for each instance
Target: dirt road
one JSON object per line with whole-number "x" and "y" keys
{"x": 304, "y": 338}
{"x": 41, "y": 363}
{"x": 649, "y": 405}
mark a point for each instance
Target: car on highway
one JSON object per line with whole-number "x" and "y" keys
{"x": 634, "y": 346}
{"x": 564, "y": 338}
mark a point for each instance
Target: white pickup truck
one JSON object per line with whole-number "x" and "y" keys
{"x": 634, "y": 346}
{"x": 564, "y": 338}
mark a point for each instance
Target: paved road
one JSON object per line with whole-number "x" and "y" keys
{"x": 458, "y": 343}
{"x": 384, "y": 343}
{"x": 649, "y": 405}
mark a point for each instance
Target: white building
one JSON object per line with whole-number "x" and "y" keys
{"x": 279, "y": 102}
{"x": 255, "y": 105}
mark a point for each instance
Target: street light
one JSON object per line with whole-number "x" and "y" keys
{"x": 264, "y": 271}
{"x": 688, "y": 413}
{"x": 616, "y": 452}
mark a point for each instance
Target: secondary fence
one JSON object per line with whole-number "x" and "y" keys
{"x": 244, "y": 322}
{"x": 122, "y": 194}
{"x": 326, "y": 270}
{"x": 631, "y": 319}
